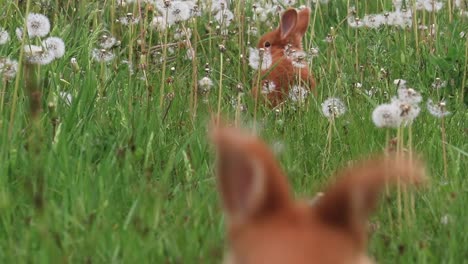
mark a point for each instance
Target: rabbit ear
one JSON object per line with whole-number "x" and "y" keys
{"x": 303, "y": 19}
{"x": 288, "y": 23}
{"x": 249, "y": 181}
{"x": 346, "y": 205}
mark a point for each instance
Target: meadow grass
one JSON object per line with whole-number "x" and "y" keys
{"x": 124, "y": 173}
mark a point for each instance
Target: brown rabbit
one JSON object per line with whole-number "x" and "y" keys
{"x": 287, "y": 69}
{"x": 266, "y": 225}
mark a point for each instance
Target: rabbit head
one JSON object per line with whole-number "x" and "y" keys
{"x": 291, "y": 30}
{"x": 266, "y": 225}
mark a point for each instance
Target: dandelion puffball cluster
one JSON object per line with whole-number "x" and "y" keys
{"x": 402, "y": 16}
{"x": 51, "y": 48}
{"x": 402, "y": 110}
{"x": 104, "y": 53}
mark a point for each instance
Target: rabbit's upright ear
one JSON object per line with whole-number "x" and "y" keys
{"x": 303, "y": 20}
{"x": 288, "y": 23}
{"x": 348, "y": 203}
{"x": 249, "y": 180}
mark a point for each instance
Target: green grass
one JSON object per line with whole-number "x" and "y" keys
{"x": 121, "y": 179}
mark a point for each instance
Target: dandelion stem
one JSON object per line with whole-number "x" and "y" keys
{"x": 220, "y": 88}
{"x": 194, "y": 90}
{"x": 415, "y": 28}
{"x": 3, "y": 96}
{"x": 398, "y": 153}
{"x": 331, "y": 122}
{"x": 163, "y": 70}
{"x": 444, "y": 148}
{"x": 449, "y": 8}
{"x": 466, "y": 71}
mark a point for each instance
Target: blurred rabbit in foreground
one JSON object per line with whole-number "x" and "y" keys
{"x": 266, "y": 225}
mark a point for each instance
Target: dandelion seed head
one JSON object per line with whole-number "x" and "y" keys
{"x": 253, "y": 31}
{"x": 438, "y": 110}
{"x": 182, "y": 33}
{"x": 445, "y": 219}
{"x": 314, "y": 52}
{"x": 129, "y": 20}
{"x": 298, "y": 93}
{"x": 107, "y": 42}
{"x": 408, "y": 111}
{"x": 8, "y": 68}
{"x": 102, "y": 55}
{"x": 4, "y": 36}
{"x": 386, "y": 115}
{"x": 38, "y": 25}
{"x": 333, "y": 107}
{"x": 268, "y": 87}
{"x": 224, "y": 17}
{"x": 409, "y": 95}
{"x": 298, "y": 59}
{"x": 42, "y": 57}
{"x": 400, "y": 83}
{"x": 438, "y": 84}
{"x": 55, "y": 45}
{"x": 19, "y": 33}
{"x": 177, "y": 11}
{"x": 159, "y": 23}
{"x": 216, "y": 5}
{"x": 205, "y": 84}
{"x": 260, "y": 59}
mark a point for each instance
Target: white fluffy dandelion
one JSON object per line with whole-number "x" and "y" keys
{"x": 129, "y": 20}
{"x": 216, "y": 5}
{"x": 408, "y": 111}
{"x": 224, "y": 17}
{"x": 409, "y": 95}
{"x": 268, "y": 87}
{"x": 38, "y": 25}
{"x": 102, "y": 55}
{"x": 333, "y": 107}
{"x": 8, "y": 68}
{"x": 159, "y": 23}
{"x": 42, "y": 58}
{"x": 386, "y": 115}
{"x": 439, "y": 84}
{"x": 38, "y": 55}
{"x": 55, "y": 45}
{"x": 400, "y": 83}
{"x": 107, "y": 42}
{"x": 298, "y": 59}
{"x": 259, "y": 58}
{"x": 298, "y": 93}
{"x": 4, "y": 36}
{"x": 19, "y": 33}
{"x": 205, "y": 84}
{"x": 177, "y": 11}
{"x": 437, "y": 109}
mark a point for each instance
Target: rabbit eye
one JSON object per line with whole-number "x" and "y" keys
{"x": 267, "y": 44}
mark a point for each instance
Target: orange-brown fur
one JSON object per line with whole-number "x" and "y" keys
{"x": 292, "y": 28}
{"x": 266, "y": 225}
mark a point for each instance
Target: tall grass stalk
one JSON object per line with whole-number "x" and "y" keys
{"x": 18, "y": 79}
{"x": 222, "y": 49}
